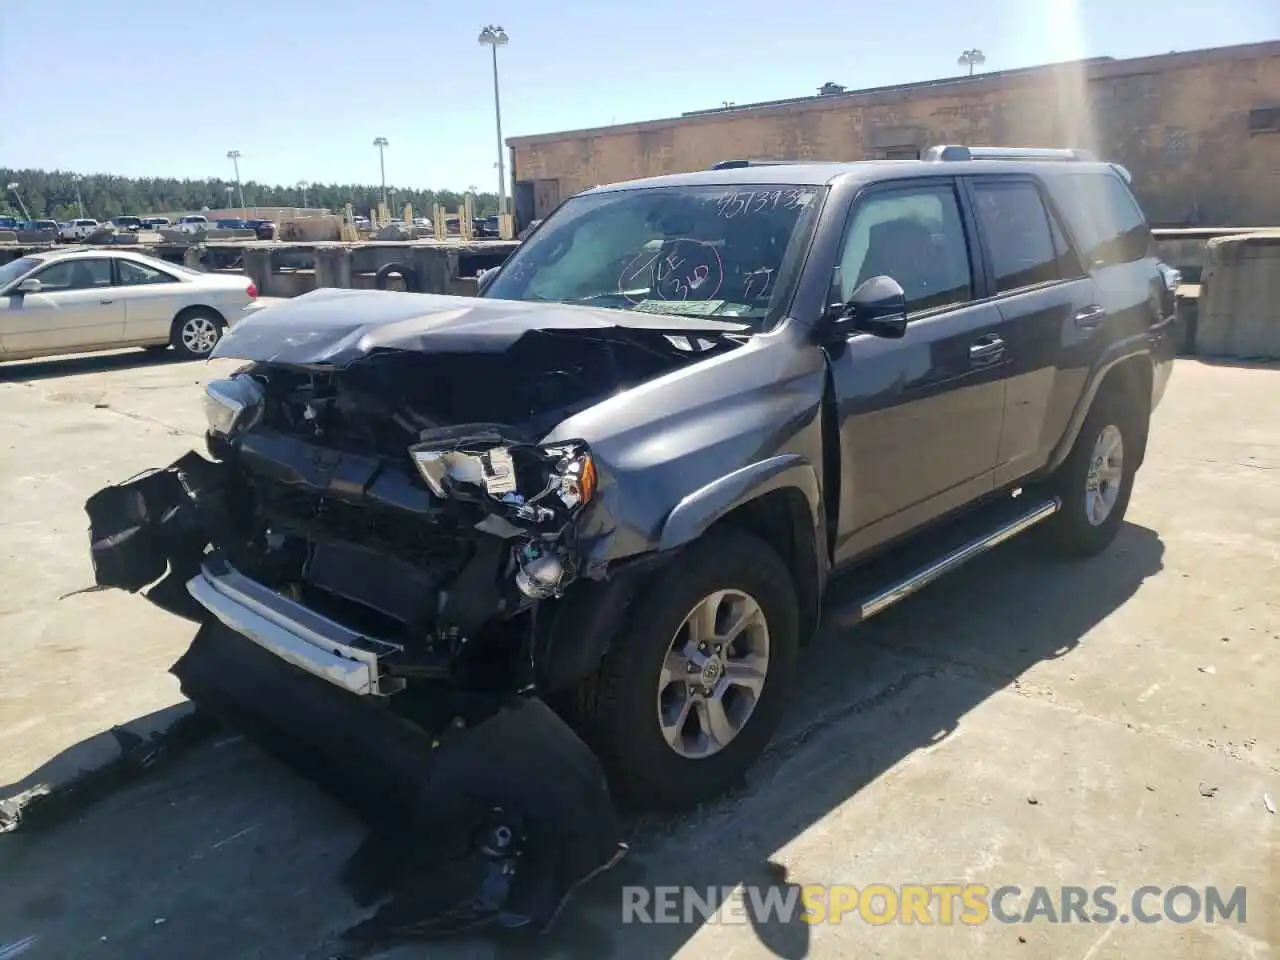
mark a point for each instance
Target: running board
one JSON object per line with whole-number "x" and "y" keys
{"x": 846, "y": 611}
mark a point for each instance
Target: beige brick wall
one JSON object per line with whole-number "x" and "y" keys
{"x": 1178, "y": 122}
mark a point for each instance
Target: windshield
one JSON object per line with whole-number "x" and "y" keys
{"x": 12, "y": 270}
{"x": 694, "y": 251}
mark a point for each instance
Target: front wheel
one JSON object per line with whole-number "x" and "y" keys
{"x": 1096, "y": 480}
{"x": 688, "y": 697}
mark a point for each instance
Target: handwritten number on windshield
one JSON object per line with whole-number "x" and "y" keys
{"x": 733, "y": 205}
{"x": 683, "y": 269}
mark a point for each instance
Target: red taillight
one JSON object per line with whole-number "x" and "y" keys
{"x": 252, "y": 291}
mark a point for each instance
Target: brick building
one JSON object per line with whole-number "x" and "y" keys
{"x": 1200, "y": 131}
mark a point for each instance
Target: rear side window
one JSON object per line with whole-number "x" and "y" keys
{"x": 1018, "y": 233}
{"x": 1108, "y": 223}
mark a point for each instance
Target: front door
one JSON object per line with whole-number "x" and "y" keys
{"x": 920, "y": 417}
{"x": 77, "y": 308}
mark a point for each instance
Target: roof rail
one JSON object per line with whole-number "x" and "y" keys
{"x": 947, "y": 152}
{"x": 739, "y": 164}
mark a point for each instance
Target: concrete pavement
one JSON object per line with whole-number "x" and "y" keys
{"x": 1023, "y": 721}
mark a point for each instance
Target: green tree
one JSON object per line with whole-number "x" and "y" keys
{"x": 52, "y": 193}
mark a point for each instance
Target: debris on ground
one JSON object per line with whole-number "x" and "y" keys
{"x": 1268, "y": 803}
{"x": 1208, "y": 791}
{"x": 1209, "y": 670}
{"x": 1031, "y": 799}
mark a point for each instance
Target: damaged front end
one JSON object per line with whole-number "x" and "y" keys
{"x": 374, "y": 549}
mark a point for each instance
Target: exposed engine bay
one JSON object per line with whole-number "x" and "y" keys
{"x": 392, "y": 523}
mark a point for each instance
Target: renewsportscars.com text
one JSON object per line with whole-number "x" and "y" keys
{"x": 941, "y": 904}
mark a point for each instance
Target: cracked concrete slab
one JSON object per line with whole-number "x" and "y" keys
{"x": 1115, "y": 693}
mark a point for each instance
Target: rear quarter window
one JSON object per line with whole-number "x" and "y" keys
{"x": 1106, "y": 220}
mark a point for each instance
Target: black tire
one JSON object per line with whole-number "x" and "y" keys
{"x": 187, "y": 322}
{"x": 616, "y": 709}
{"x": 1071, "y": 531}
{"x": 402, "y": 270}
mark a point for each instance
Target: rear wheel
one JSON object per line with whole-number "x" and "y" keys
{"x": 1096, "y": 480}
{"x": 196, "y": 332}
{"x": 687, "y": 698}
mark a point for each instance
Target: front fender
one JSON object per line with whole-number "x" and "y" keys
{"x": 690, "y": 518}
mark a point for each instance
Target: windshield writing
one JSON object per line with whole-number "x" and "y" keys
{"x": 682, "y": 250}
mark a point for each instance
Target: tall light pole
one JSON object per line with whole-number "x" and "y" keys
{"x": 79, "y": 203}
{"x": 302, "y": 185}
{"x": 234, "y": 157}
{"x": 228, "y": 190}
{"x": 495, "y": 37}
{"x": 972, "y": 58}
{"x": 382, "y": 143}
{"x": 14, "y": 188}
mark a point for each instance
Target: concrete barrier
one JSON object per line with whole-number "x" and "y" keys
{"x": 38, "y": 236}
{"x": 1239, "y": 309}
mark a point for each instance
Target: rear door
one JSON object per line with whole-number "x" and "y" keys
{"x": 77, "y": 308}
{"x": 151, "y": 296}
{"x": 1048, "y": 310}
{"x": 919, "y": 417}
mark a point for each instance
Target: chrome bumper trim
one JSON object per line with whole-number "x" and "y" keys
{"x": 297, "y": 634}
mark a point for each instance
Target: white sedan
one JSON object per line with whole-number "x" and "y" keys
{"x": 83, "y": 300}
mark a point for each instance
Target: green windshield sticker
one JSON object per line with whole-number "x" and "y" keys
{"x": 700, "y": 308}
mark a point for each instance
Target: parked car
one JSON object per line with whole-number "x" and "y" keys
{"x": 75, "y": 230}
{"x": 41, "y": 225}
{"x": 8, "y": 223}
{"x": 232, "y": 223}
{"x": 667, "y": 440}
{"x": 155, "y": 223}
{"x": 192, "y": 223}
{"x": 265, "y": 229}
{"x": 128, "y": 223}
{"x": 85, "y": 300}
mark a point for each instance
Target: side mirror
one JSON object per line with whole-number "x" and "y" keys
{"x": 878, "y": 307}
{"x": 484, "y": 278}
{"x": 30, "y": 285}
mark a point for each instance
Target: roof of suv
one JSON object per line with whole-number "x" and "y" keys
{"x": 820, "y": 173}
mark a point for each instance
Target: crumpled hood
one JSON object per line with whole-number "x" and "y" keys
{"x": 333, "y": 327}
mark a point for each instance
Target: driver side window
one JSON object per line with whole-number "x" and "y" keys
{"x": 914, "y": 235}
{"x": 75, "y": 275}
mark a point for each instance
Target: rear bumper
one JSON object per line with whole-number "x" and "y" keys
{"x": 294, "y": 633}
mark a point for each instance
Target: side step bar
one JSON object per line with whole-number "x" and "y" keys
{"x": 848, "y": 612}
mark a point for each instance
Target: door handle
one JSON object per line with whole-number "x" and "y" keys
{"x": 986, "y": 349}
{"x": 1090, "y": 317}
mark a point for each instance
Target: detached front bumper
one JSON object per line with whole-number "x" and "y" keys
{"x": 293, "y": 632}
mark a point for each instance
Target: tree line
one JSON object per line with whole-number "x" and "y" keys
{"x": 52, "y": 194}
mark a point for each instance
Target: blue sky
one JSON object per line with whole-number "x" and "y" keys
{"x": 301, "y": 87}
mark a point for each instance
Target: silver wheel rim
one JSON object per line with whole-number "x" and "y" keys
{"x": 1106, "y": 470}
{"x": 713, "y": 674}
{"x": 199, "y": 334}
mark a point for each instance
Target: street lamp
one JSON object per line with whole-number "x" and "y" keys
{"x": 302, "y": 185}
{"x": 25, "y": 212}
{"x": 382, "y": 143}
{"x": 495, "y": 37}
{"x": 79, "y": 203}
{"x": 972, "y": 58}
{"x": 234, "y": 157}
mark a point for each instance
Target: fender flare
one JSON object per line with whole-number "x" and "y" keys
{"x": 1118, "y": 353}
{"x": 690, "y": 518}
{"x": 405, "y": 271}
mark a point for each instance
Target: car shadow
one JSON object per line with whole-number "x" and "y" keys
{"x": 871, "y": 697}
{"x": 970, "y": 635}
{"x": 48, "y": 369}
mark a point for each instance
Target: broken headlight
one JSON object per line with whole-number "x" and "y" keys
{"x": 529, "y": 484}
{"x": 232, "y": 404}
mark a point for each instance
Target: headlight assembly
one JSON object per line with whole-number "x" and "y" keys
{"x": 529, "y": 483}
{"x": 233, "y": 404}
